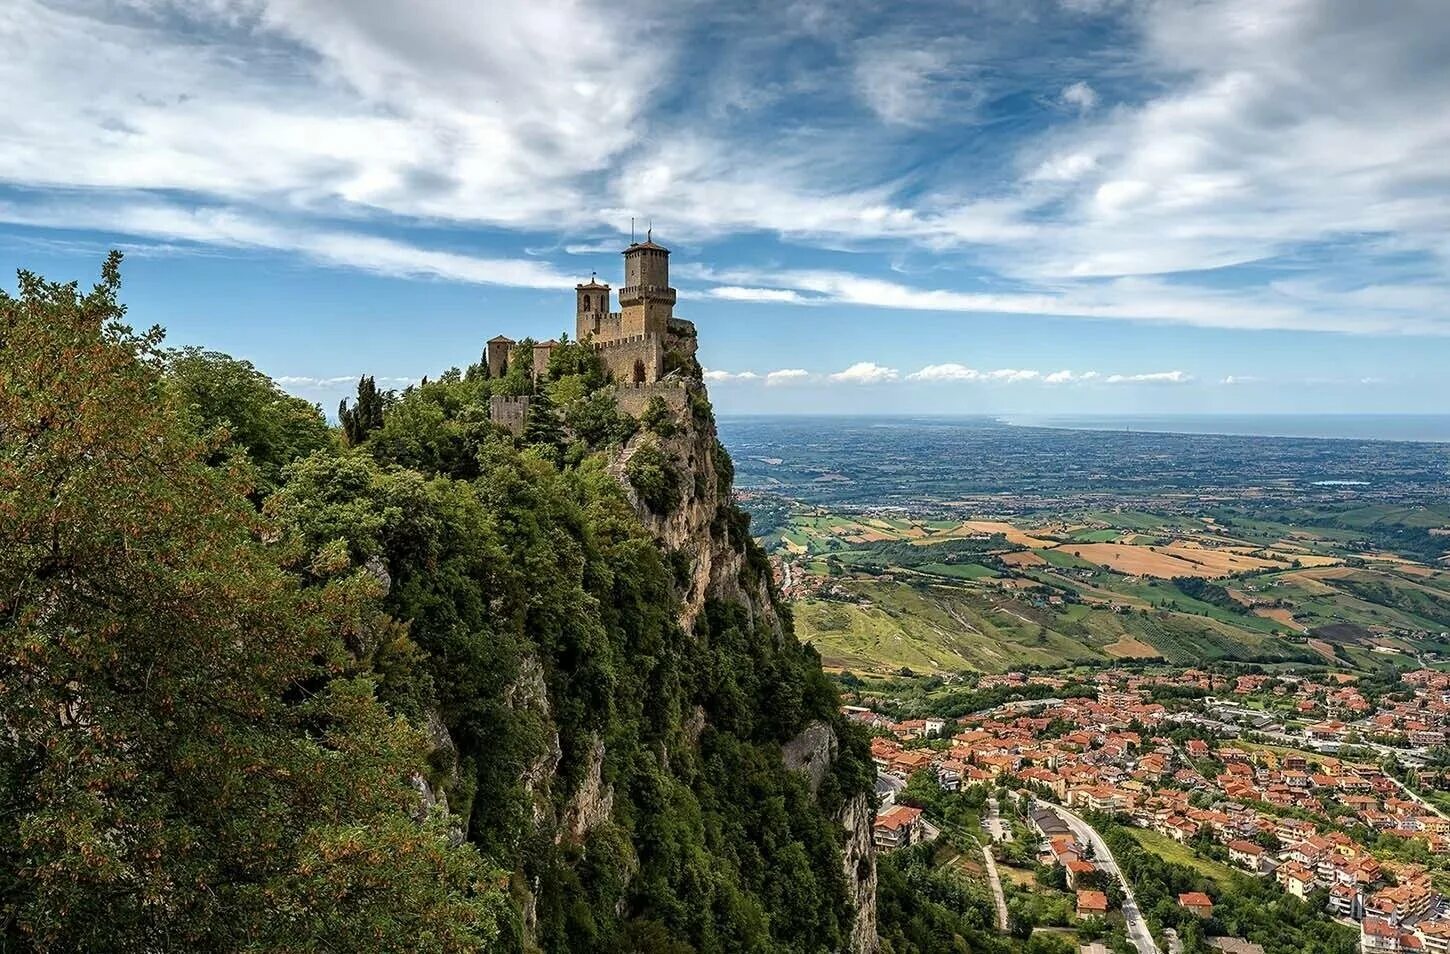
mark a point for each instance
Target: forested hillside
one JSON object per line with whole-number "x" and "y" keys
{"x": 410, "y": 683}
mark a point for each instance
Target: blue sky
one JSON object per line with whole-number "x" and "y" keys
{"x": 975, "y": 206}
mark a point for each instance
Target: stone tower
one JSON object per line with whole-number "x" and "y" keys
{"x": 647, "y": 302}
{"x": 591, "y": 311}
{"x": 498, "y": 355}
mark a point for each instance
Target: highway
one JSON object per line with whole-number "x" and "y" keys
{"x": 1137, "y": 930}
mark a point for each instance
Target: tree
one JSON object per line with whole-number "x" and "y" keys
{"x": 246, "y": 410}
{"x": 542, "y": 427}
{"x": 367, "y": 415}
{"x": 190, "y": 759}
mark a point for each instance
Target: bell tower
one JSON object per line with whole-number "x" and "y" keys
{"x": 591, "y": 308}
{"x": 647, "y": 302}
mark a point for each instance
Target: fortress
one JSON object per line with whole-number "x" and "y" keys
{"x": 643, "y": 345}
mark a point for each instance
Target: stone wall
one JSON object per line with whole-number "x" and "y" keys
{"x": 603, "y": 327}
{"x": 631, "y": 398}
{"x": 635, "y": 360}
{"x": 509, "y": 411}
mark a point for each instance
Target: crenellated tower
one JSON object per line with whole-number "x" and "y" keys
{"x": 646, "y": 302}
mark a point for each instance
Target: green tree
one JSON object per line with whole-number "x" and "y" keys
{"x": 366, "y": 415}
{"x": 243, "y": 408}
{"x": 190, "y": 759}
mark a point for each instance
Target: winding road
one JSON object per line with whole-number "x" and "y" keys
{"x": 1137, "y": 928}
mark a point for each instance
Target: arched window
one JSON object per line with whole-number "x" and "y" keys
{"x": 638, "y": 370}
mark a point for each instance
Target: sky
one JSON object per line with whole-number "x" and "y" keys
{"x": 976, "y": 206}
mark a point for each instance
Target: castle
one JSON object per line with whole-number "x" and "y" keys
{"x": 635, "y": 343}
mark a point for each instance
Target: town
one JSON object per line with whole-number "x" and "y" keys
{"x": 1302, "y": 782}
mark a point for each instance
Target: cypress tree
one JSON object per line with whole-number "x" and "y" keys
{"x": 366, "y": 416}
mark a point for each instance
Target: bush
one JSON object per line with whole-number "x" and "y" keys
{"x": 658, "y": 418}
{"x": 655, "y": 478}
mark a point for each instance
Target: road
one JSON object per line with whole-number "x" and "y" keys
{"x": 1137, "y": 929}
{"x": 993, "y": 821}
{"x": 1415, "y": 796}
{"x": 996, "y": 884}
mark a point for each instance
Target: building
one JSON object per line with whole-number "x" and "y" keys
{"x": 896, "y": 827}
{"x": 640, "y": 345}
{"x": 1092, "y": 904}
{"x": 1197, "y": 903}
{"x": 1246, "y": 854}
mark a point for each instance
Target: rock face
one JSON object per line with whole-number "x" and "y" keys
{"x": 812, "y": 752}
{"x": 717, "y": 571}
{"x": 706, "y": 541}
{"x": 859, "y": 859}
{"x": 592, "y": 801}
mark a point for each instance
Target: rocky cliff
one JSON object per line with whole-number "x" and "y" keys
{"x": 624, "y": 725}
{"x": 706, "y": 536}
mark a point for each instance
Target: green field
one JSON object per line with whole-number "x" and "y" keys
{"x": 939, "y": 595}
{"x": 1170, "y": 850}
{"x": 959, "y": 571}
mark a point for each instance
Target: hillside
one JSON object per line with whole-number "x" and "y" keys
{"x": 418, "y": 683}
{"x": 886, "y": 592}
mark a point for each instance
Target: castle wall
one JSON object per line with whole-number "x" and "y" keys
{"x": 625, "y": 357}
{"x": 603, "y": 327}
{"x": 631, "y": 398}
{"x": 509, "y": 410}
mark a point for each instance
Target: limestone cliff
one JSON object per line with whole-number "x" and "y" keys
{"x": 704, "y": 536}
{"x": 597, "y": 630}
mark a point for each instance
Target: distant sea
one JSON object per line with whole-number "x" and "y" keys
{"x": 1433, "y": 428}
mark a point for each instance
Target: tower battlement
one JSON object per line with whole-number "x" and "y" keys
{"x": 631, "y": 342}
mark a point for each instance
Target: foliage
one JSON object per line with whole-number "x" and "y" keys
{"x": 192, "y": 758}
{"x": 1243, "y": 907}
{"x": 657, "y": 417}
{"x": 248, "y": 699}
{"x": 654, "y": 477}
{"x": 270, "y": 427}
{"x": 366, "y": 415}
{"x": 922, "y": 910}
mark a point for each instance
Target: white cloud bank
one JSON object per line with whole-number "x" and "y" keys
{"x": 865, "y": 372}
{"x": 871, "y": 373}
{"x": 1248, "y": 140}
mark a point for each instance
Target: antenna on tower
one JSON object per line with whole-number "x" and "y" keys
{"x": 631, "y": 230}
{"x": 650, "y": 232}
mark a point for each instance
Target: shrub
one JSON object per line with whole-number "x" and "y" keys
{"x": 655, "y": 478}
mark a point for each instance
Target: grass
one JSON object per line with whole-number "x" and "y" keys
{"x": 935, "y": 628}
{"x": 1170, "y": 850}
{"x": 941, "y": 617}
{"x": 959, "y": 571}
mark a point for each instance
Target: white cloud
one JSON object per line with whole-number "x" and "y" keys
{"x": 737, "y": 293}
{"x": 302, "y": 384}
{"x": 1136, "y": 299}
{"x": 714, "y": 374}
{"x": 289, "y": 116}
{"x": 1235, "y": 379}
{"x": 1081, "y": 96}
{"x": 896, "y": 83}
{"x": 464, "y": 112}
{"x": 944, "y": 372}
{"x": 787, "y": 376}
{"x": 223, "y": 227}
{"x": 1066, "y": 376}
{"x": 1151, "y": 377}
{"x": 960, "y": 372}
{"x": 865, "y": 372}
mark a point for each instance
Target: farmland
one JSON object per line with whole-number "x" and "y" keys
{"x": 1054, "y": 572}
